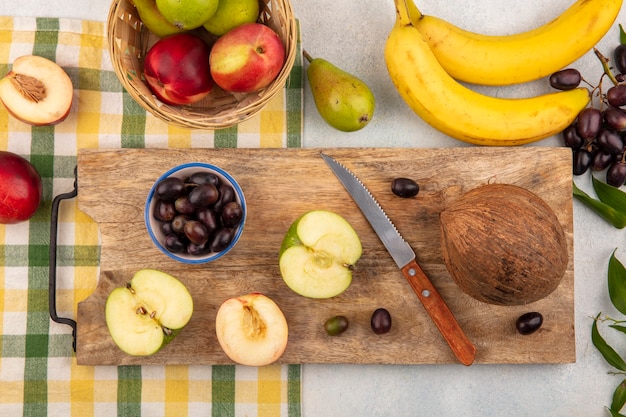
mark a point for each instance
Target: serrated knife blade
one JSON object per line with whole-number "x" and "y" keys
{"x": 404, "y": 257}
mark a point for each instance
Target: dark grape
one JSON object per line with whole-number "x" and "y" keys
{"x": 610, "y": 141}
{"x": 589, "y": 122}
{"x": 381, "y": 321}
{"x": 336, "y": 325}
{"x": 616, "y": 118}
{"x": 529, "y": 323}
{"x": 202, "y": 177}
{"x": 222, "y": 239}
{"x": 166, "y": 228}
{"x": 601, "y": 160}
{"x": 616, "y": 95}
{"x": 571, "y": 138}
{"x": 196, "y": 232}
{"x": 582, "y": 161}
{"x": 174, "y": 243}
{"x": 619, "y": 56}
{"x": 208, "y": 218}
{"x": 170, "y": 188}
{"x": 197, "y": 250}
{"x": 616, "y": 174}
{"x": 232, "y": 214}
{"x": 203, "y": 195}
{"x": 227, "y": 194}
{"x": 178, "y": 223}
{"x": 404, "y": 187}
{"x": 164, "y": 210}
{"x": 183, "y": 205}
{"x": 566, "y": 79}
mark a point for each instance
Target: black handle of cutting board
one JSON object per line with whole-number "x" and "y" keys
{"x": 52, "y": 286}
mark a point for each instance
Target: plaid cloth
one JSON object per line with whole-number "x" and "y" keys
{"x": 38, "y": 371}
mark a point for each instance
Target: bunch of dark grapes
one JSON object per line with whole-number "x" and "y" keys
{"x": 598, "y": 135}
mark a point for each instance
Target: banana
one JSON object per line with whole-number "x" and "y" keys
{"x": 522, "y": 57}
{"x": 462, "y": 113}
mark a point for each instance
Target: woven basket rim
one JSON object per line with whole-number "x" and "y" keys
{"x": 123, "y": 21}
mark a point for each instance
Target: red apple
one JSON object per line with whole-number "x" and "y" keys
{"x": 177, "y": 69}
{"x": 20, "y": 188}
{"x": 247, "y": 58}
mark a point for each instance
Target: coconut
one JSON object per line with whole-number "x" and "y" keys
{"x": 503, "y": 245}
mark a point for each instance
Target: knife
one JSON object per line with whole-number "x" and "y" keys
{"x": 404, "y": 256}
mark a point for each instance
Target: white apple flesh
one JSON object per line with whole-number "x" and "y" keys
{"x": 148, "y": 313}
{"x": 318, "y": 254}
{"x": 251, "y": 329}
{"x": 37, "y": 91}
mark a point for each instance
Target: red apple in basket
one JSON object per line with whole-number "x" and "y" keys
{"x": 247, "y": 58}
{"x": 176, "y": 69}
{"x": 20, "y": 188}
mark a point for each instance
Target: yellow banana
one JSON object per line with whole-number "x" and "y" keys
{"x": 526, "y": 56}
{"x": 463, "y": 113}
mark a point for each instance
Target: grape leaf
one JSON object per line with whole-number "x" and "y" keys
{"x": 622, "y": 35}
{"x": 610, "y": 195}
{"x": 619, "y": 397}
{"x": 615, "y": 217}
{"x": 617, "y": 283}
{"x": 609, "y": 354}
{"x": 615, "y": 413}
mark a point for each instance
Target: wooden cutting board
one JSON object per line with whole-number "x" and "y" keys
{"x": 280, "y": 185}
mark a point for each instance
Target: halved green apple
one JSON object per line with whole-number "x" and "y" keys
{"x": 318, "y": 254}
{"x": 148, "y": 312}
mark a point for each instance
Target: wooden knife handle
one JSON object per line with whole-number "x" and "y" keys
{"x": 438, "y": 310}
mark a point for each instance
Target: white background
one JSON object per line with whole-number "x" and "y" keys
{"x": 351, "y": 34}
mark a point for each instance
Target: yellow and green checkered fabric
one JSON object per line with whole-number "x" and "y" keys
{"x": 38, "y": 371}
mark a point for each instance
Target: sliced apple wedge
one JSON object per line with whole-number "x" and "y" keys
{"x": 37, "y": 91}
{"x": 251, "y": 329}
{"x": 148, "y": 313}
{"x": 318, "y": 254}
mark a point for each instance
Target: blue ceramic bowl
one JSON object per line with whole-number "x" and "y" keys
{"x": 154, "y": 226}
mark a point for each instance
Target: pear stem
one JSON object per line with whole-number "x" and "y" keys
{"x": 307, "y": 56}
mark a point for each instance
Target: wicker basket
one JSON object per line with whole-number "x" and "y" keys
{"x": 129, "y": 41}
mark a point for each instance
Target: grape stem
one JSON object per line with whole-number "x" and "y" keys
{"x": 605, "y": 65}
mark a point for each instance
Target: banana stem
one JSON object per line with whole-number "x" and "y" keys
{"x": 402, "y": 11}
{"x": 605, "y": 65}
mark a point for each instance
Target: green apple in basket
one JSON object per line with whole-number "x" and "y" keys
{"x": 187, "y": 14}
{"x": 318, "y": 254}
{"x": 148, "y": 312}
{"x": 230, "y": 14}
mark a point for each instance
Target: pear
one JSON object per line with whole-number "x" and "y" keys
{"x": 153, "y": 19}
{"x": 343, "y": 100}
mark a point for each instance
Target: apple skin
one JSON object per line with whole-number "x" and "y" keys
{"x": 20, "y": 188}
{"x": 176, "y": 69}
{"x": 251, "y": 329}
{"x": 247, "y": 59}
{"x": 318, "y": 254}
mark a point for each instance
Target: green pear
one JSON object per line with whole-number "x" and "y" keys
{"x": 232, "y": 13}
{"x": 187, "y": 14}
{"x": 153, "y": 19}
{"x": 344, "y": 101}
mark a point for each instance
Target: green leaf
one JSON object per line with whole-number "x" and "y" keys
{"x": 619, "y": 396}
{"x": 617, "y": 283}
{"x": 615, "y": 413}
{"x": 622, "y": 35}
{"x": 618, "y": 328}
{"x": 610, "y": 355}
{"x": 610, "y": 195}
{"x": 608, "y": 213}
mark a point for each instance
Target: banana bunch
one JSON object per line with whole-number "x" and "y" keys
{"x": 427, "y": 86}
{"x": 526, "y": 56}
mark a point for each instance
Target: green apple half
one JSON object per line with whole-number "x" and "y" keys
{"x": 148, "y": 312}
{"x": 318, "y": 254}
